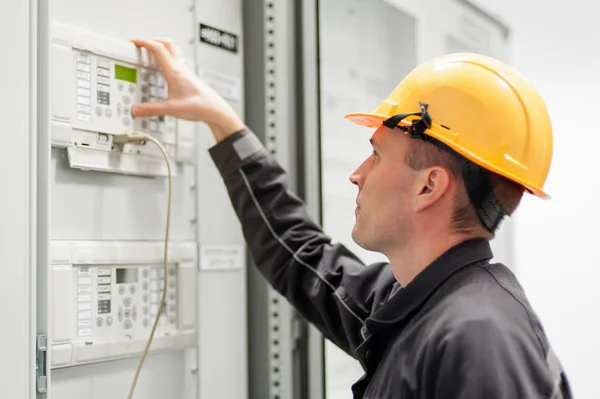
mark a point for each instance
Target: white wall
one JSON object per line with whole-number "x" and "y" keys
{"x": 557, "y": 46}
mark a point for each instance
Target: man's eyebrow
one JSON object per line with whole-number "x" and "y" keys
{"x": 373, "y": 142}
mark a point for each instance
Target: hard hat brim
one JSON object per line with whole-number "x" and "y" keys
{"x": 374, "y": 120}
{"x": 370, "y": 120}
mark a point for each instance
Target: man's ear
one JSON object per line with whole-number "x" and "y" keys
{"x": 433, "y": 184}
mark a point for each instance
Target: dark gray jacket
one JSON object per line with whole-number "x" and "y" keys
{"x": 462, "y": 328}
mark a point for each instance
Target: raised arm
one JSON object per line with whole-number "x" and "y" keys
{"x": 327, "y": 283}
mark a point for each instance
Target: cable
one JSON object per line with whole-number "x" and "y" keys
{"x": 141, "y": 138}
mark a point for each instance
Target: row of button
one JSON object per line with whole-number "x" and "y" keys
{"x": 127, "y": 313}
{"x": 84, "y": 301}
{"x": 154, "y": 272}
{"x": 153, "y": 78}
{"x": 154, "y": 286}
{"x": 154, "y": 297}
{"x": 102, "y": 83}
{"x": 122, "y": 289}
{"x": 154, "y": 90}
{"x": 84, "y": 87}
{"x": 104, "y": 288}
{"x": 100, "y": 321}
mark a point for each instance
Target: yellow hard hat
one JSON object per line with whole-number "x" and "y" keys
{"x": 479, "y": 107}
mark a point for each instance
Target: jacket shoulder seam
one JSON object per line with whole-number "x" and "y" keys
{"x": 522, "y": 305}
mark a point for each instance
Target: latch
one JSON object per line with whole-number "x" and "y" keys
{"x": 40, "y": 364}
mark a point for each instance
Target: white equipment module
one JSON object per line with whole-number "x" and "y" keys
{"x": 101, "y": 291}
{"x": 100, "y": 80}
{"x": 105, "y": 294}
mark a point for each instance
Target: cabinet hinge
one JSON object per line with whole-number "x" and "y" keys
{"x": 40, "y": 364}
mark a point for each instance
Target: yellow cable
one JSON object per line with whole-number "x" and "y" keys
{"x": 141, "y": 138}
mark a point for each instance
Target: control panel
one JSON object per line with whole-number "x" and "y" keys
{"x": 95, "y": 81}
{"x": 106, "y": 296}
{"x": 113, "y": 301}
{"x": 106, "y": 91}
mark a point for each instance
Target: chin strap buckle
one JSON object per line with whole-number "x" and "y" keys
{"x": 418, "y": 126}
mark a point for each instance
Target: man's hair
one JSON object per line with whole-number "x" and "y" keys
{"x": 421, "y": 155}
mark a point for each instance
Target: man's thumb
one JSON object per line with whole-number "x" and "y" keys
{"x": 149, "y": 109}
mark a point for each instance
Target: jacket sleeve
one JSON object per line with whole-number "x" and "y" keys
{"x": 325, "y": 282}
{"x": 483, "y": 360}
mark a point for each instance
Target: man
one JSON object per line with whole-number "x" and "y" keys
{"x": 456, "y": 144}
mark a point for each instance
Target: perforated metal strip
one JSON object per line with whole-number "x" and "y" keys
{"x": 275, "y": 299}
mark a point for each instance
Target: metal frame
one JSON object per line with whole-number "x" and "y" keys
{"x": 41, "y": 177}
{"x": 270, "y": 355}
{"x": 257, "y": 87}
{"x": 309, "y": 172}
{"x": 285, "y": 353}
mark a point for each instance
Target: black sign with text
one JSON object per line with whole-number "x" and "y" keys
{"x": 216, "y": 37}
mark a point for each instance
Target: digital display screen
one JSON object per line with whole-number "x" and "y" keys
{"x": 126, "y": 74}
{"x": 127, "y": 276}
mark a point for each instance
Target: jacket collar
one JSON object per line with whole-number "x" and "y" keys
{"x": 408, "y": 300}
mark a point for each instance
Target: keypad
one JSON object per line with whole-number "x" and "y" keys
{"x": 153, "y": 89}
{"x": 136, "y": 303}
{"x": 101, "y": 98}
{"x": 153, "y": 286}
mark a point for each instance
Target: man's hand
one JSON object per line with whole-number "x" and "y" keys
{"x": 188, "y": 97}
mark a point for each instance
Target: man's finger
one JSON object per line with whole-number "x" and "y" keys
{"x": 160, "y": 52}
{"x": 144, "y": 110}
{"x": 170, "y": 45}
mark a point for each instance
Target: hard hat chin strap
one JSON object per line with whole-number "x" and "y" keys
{"x": 481, "y": 193}
{"x": 476, "y": 179}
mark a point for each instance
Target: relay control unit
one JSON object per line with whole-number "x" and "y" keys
{"x": 106, "y": 296}
{"x": 100, "y": 80}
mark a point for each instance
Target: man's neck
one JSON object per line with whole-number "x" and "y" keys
{"x": 410, "y": 260}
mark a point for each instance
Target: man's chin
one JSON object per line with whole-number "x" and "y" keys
{"x": 359, "y": 239}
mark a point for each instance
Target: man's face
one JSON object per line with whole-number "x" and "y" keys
{"x": 387, "y": 193}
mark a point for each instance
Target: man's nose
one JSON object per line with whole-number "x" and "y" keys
{"x": 357, "y": 178}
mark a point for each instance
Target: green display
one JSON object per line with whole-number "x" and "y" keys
{"x": 124, "y": 73}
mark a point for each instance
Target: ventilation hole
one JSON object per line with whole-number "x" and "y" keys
{"x": 272, "y": 71}
{"x": 276, "y": 383}
{"x": 275, "y": 328}
{"x": 271, "y": 44}
{"x": 276, "y": 356}
{"x": 275, "y": 300}
{"x": 271, "y": 18}
{"x": 272, "y": 84}
{"x": 276, "y": 342}
{"x": 276, "y": 370}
